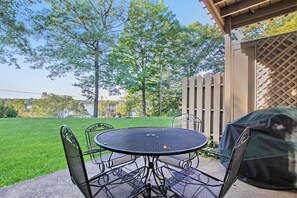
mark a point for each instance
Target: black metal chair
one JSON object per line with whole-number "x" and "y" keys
{"x": 187, "y": 121}
{"x": 113, "y": 183}
{"x": 96, "y": 153}
{"x": 191, "y": 182}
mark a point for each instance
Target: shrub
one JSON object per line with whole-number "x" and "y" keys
{"x": 210, "y": 148}
{"x": 7, "y": 111}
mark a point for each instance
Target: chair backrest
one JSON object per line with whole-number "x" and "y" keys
{"x": 75, "y": 161}
{"x": 187, "y": 121}
{"x": 236, "y": 160}
{"x": 90, "y": 134}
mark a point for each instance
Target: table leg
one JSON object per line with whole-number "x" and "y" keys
{"x": 158, "y": 188}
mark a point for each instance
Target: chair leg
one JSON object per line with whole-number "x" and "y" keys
{"x": 101, "y": 167}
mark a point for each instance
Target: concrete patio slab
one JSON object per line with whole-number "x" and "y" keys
{"x": 58, "y": 185}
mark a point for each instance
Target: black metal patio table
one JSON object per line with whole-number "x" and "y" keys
{"x": 151, "y": 142}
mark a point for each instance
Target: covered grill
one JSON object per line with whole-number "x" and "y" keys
{"x": 271, "y": 157}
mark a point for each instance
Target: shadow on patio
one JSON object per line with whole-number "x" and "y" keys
{"x": 58, "y": 184}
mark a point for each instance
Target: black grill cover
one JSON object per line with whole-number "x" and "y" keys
{"x": 271, "y": 157}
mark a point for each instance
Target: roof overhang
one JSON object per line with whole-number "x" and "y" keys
{"x": 245, "y": 12}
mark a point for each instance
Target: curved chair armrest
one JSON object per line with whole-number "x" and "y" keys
{"x": 181, "y": 161}
{"x": 88, "y": 152}
{"x": 118, "y": 160}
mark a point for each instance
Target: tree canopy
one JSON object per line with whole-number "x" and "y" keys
{"x": 14, "y": 30}
{"x": 273, "y": 27}
{"x": 155, "y": 52}
{"x": 77, "y": 37}
{"x": 201, "y": 49}
{"x": 136, "y": 45}
{"x": 144, "y": 43}
{"x": 51, "y": 105}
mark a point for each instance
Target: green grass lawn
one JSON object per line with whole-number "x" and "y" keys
{"x": 30, "y": 147}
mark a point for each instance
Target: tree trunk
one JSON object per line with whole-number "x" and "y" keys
{"x": 161, "y": 86}
{"x": 143, "y": 99}
{"x": 95, "y": 115}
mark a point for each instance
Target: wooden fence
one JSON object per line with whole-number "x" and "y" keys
{"x": 203, "y": 97}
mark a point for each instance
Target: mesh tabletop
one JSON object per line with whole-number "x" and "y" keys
{"x": 151, "y": 140}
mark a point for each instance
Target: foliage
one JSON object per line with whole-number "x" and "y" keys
{"x": 20, "y": 106}
{"x": 129, "y": 105}
{"x": 273, "y": 27}
{"x": 152, "y": 56}
{"x": 51, "y": 105}
{"x": 142, "y": 46}
{"x": 107, "y": 108}
{"x": 7, "y": 111}
{"x": 211, "y": 147}
{"x": 14, "y": 30}
{"x": 171, "y": 103}
{"x": 196, "y": 48}
{"x": 123, "y": 110}
{"x": 201, "y": 49}
{"x": 77, "y": 38}
{"x": 31, "y": 147}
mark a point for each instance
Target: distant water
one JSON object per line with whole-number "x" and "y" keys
{"x": 89, "y": 108}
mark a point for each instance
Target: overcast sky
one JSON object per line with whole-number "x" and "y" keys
{"x": 28, "y": 83}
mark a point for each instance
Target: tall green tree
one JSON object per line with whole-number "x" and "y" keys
{"x": 196, "y": 49}
{"x": 77, "y": 37}
{"x": 14, "y": 30}
{"x": 142, "y": 47}
{"x": 165, "y": 48}
{"x": 201, "y": 49}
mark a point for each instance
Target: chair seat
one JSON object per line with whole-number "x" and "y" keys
{"x": 113, "y": 183}
{"x": 118, "y": 183}
{"x": 174, "y": 160}
{"x": 193, "y": 183}
{"x": 119, "y": 158}
{"x": 98, "y": 154}
{"x": 180, "y": 161}
{"x": 177, "y": 157}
